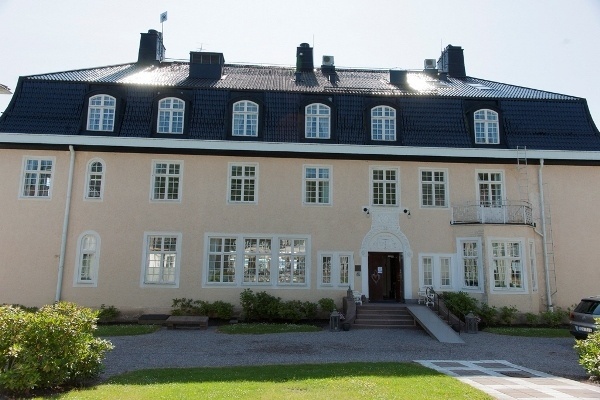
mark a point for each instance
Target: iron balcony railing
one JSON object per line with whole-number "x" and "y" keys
{"x": 506, "y": 212}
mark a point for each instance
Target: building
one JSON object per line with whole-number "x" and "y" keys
{"x": 135, "y": 184}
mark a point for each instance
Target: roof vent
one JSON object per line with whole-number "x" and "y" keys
{"x": 452, "y": 61}
{"x": 398, "y": 77}
{"x": 304, "y": 58}
{"x": 151, "y": 48}
{"x": 430, "y": 63}
{"x": 327, "y": 61}
{"x": 205, "y": 65}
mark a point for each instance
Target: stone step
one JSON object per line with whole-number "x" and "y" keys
{"x": 386, "y": 315}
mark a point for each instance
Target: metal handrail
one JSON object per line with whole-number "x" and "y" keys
{"x": 505, "y": 212}
{"x": 439, "y": 303}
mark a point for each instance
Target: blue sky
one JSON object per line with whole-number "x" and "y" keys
{"x": 548, "y": 45}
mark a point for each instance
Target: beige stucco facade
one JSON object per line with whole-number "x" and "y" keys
{"x": 32, "y": 228}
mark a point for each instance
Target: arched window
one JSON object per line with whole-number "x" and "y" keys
{"x": 383, "y": 123}
{"x": 245, "y": 118}
{"x": 317, "y": 121}
{"x": 101, "y": 113}
{"x": 94, "y": 187}
{"x": 87, "y": 259}
{"x": 486, "y": 127}
{"x": 171, "y": 111}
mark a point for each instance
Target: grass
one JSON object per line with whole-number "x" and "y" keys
{"x": 125, "y": 330}
{"x": 323, "y": 381}
{"x": 262, "y": 328}
{"x": 529, "y": 331}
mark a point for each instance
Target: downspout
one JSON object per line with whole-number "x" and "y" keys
{"x": 63, "y": 243}
{"x": 544, "y": 237}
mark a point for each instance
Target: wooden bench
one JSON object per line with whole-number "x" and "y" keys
{"x": 198, "y": 321}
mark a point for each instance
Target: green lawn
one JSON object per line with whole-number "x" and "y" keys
{"x": 529, "y": 331}
{"x": 289, "y": 382}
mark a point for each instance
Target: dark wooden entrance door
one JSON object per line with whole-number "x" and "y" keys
{"x": 386, "y": 278}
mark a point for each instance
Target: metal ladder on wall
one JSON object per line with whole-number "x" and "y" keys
{"x": 523, "y": 177}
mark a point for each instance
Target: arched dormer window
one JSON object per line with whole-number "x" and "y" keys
{"x": 486, "y": 127}
{"x": 101, "y": 113}
{"x": 94, "y": 188}
{"x": 171, "y": 112}
{"x": 317, "y": 121}
{"x": 383, "y": 123}
{"x": 88, "y": 255}
{"x": 245, "y": 118}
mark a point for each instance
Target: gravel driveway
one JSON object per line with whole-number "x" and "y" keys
{"x": 209, "y": 348}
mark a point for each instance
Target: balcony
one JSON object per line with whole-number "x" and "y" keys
{"x": 507, "y": 212}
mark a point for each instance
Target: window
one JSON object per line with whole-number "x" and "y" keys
{"x": 161, "y": 259}
{"x": 317, "y": 121}
{"x": 507, "y": 265}
{"x": 292, "y": 261}
{"x": 94, "y": 187}
{"x": 257, "y": 260}
{"x": 335, "y": 268}
{"x": 245, "y": 118}
{"x": 170, "y": 115}
{"x": 383, "y": 123}
{"x": 532, "y": 266}
{"x": 243, "y": 180}
{"x": 471, "y": 263}
{"x": 37, "y": 177}
{"x": 101, "y": 113}
{"x": 384, "y": 185}
{"x": 433, "y": 188}
{"x": 221, "y": 260}
{"x": 317, "y": 185}
{"x": 88, "y": 252}
{"x": 486, "y": 127}
{"x": 436, "y": 271}
{"x": 166, "y": 181}
{"x": 490, "y": 189}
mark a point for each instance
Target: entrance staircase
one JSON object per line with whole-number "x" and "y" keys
{"x": 384, "y": 315}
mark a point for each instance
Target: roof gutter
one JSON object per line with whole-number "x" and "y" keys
{"x": 63, "y": 240}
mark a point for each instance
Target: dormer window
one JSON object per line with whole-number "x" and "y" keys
{"x": 170, "y": 115}
{"x": 317, "y": 121}
{"x": 245, "y": 118}
{"x": 101, "y": 113}
{"x": 486, "y": 127}
{"x": 383, "y": 123}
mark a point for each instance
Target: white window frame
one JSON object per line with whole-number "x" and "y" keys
{"x": 147, "y": 252}
{"x": 171, "y": 116}
{"x": 262, "y": 258}
{"x": 244, "y": 119}
{"x": 44, "y": 170}
{"x": 94, "y": 180}
{"x": 508, "y": 258}
{"x": 491, "y": 197}
{"x": 322, "y": 185}
{"x": 223, "y": 259}
{"x": 460, "y": 281}
{"x": 169, "y": 178}
{"x": 385, "y": 188}
{"x": 336, "y": 269}
{"x": 101, "y": 113}
{"x": 533, "y": 265}
{"x": 317, "y": 121}
{"x": 486, "y": 126}
{"x": 436, "y": 271}
{"x": 89, "y": 254}
{"x": 383, "y": 123}
{"x": 246, "y": 195}
{"x": 239, "y": 260}
{"x": 434, "y": 185}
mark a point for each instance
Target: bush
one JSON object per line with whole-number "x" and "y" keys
{"x": 589, "y": 353}
{"x": 488, "y": 315}
{"x": 532, "y": 319}
{"x": 265, "y": 307}
{"x": 218, "y": 309}
{"x": 107, "y": 314}
{"x": 460, "y": 303}
{"x": 554, "y": 318}
{"x": 327, "y": 304}
{"x": 50, "y": 348}
{"x": 506, "y": 315}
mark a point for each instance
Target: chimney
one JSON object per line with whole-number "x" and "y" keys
{"x": 398, "y": 77}
{"x": 452, "y": 62}
{"x": 304, "y": 58}
{"x": 151, "y": 50}
{"x": 205, "y": 65}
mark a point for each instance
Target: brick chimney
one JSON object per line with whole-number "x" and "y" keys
{"x": 151, "y": 50}
{"x": 452, "y": 62}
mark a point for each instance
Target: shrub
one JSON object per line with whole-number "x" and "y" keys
{"x": 554, "y": 318}
{"x": 109, "y": 313}
{"x": 50, "y": 348}
{"x": 588, "y": 351}
{"x": 506, "y": 315}
{"x": 248, "y": 303}
{"x": 310, "y": 309}
{"x": 291, "y": 310}
{"x": 532, "y": 319}
{"x": 218, "y": 309}
{"x": 488, "y": 315}
{"x": 327, "y": 304}
{"x": 267, "y": 306}
{"x": 221, "y": 310}
{"x": 460, "y": 303}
